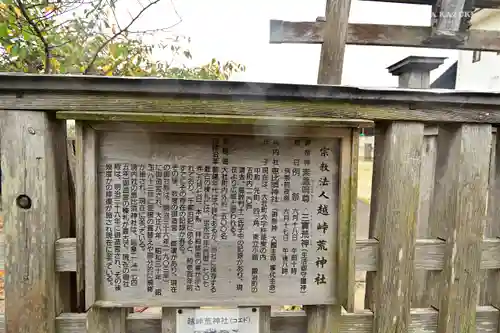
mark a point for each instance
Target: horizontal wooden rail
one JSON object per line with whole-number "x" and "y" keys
{"x": 422, "y": 320}
{"x": 429, "y": 254}
{"x": 379, "y": 35}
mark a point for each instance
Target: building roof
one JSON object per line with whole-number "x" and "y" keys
{"x": 448, "y": 79}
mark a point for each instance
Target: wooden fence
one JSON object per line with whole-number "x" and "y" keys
{"x": 449, "y": 179}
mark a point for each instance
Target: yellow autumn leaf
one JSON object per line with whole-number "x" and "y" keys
{"x": 49, "y": 9}
{"x": 55, "y": 65}
{"x": 107, "y": 70}
{"x": 18, "y": 12}
{"x": 8, "y": 48}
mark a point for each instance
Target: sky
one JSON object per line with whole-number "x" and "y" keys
{"x": 239, "y": 30}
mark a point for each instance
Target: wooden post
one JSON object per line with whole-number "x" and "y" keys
{"x": 396, "y": 211}
{"x": 491, "y": 289}
{"x": 34, "y": 170}
{"x": 413, "y": 72}
{"x": 106, "y": 320}
{"x": 334, "y": 41}
{"x": 458, "y": 213}
{"x": 322, "y": 318}
{"x": 325, "y": 318}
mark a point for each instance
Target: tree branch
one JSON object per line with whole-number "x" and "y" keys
{"x": 46, "y": 46}
{"x": 121, "y": 31}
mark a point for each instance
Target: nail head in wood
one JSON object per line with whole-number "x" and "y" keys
{"x": 23, "y": 201}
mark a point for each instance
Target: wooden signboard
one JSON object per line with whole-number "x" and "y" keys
{"x": 190, "y": 220}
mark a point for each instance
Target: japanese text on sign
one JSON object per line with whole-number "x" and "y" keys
{"x": 232, "y": 217}
{"x": 240, "y": 320}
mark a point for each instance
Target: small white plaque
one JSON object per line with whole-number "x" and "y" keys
{"x": 238, "y": 320}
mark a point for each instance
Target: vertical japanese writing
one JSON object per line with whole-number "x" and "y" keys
{"x": 215, "y": 214}
{"x": 226, "y": 221}
{"x": 126, "y": 225}
{"x": 157, "y": 231}
{"x": 323, "y": 213}
{"x": 285, "y": 249}
{"x": 134, "y": 216}
{"x": 182, "y": 210}
{"x": 150, "y": 224}
{"x": 237, "y": 209}
{"x": 142, "y": 207}
{"x": 174, "y": 227}
{"x": 117, "y": 231}
{"x": 190, "y": 261}
{"x": 109, "y": 223}
{"x": 305, "y": 220}
{"x": 206, "y": 227}
{"x": 166, "y": 225}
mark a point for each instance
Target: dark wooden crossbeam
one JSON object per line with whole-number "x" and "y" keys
{"x": 383, "y": 35}
{"x": 478, "y": 3}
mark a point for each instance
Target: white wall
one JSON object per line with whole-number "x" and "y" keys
{"x": 484, "y": 74}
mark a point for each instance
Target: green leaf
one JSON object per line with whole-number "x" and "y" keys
{"x": 4, "y": 30}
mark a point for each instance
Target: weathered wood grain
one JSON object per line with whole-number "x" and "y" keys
{"x": 86, "y": 186}
{"x": 28, "y": 162}
{"x": 477, "y": 4}
{"x": 216, "y": 119}
{"x": 398, "y": 200}
{"x": 264, "y": 319}
{"x": 422, "y": 320}
{"x": 429, "y": 254}
{"x": 218, "y": 129}
{"x": 492, "y": 283}
{"x": 489, "y": 282}
{"x": 79, "y": 179}
{"x": 457, "y": 216}
{"x": 375, "y": 222}
{"x": 346, "y": 232}
{"x": 235, "y": 98}
{"x": 381, "y": 35}
{"x": 103, "y": 320}
{"x": 168, "y": 320}
{"x": 323, "y": 318}
{"x": 26, "y": 88}
{"x": 334, "y": 41}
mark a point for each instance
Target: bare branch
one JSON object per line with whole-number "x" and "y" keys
{"x": 121, "y": 31}
{"x": 46, "y": 46}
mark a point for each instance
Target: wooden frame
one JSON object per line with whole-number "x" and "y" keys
{"x": 87, "y": 150}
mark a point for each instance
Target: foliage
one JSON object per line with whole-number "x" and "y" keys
{"x": 84, "y": 37}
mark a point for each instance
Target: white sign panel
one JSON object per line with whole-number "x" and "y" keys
{"x": 239, "y": 320}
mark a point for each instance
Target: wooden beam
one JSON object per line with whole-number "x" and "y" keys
{"x": 429, "y": 254}
{"x": 422, "y": 320}
{"x": 334, "y": 40}
{"x": 381, "y": 35}
{"x": 477, "y": 4}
